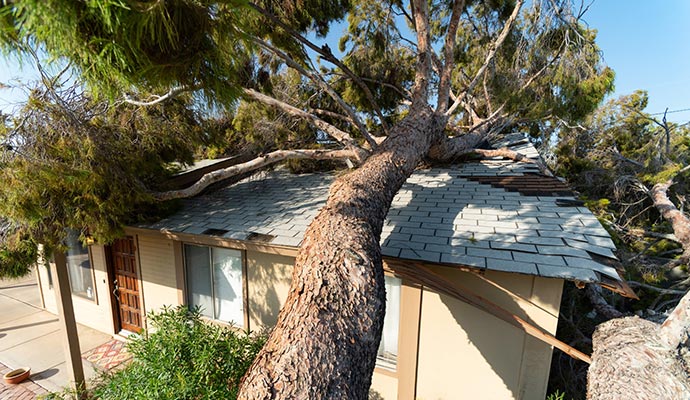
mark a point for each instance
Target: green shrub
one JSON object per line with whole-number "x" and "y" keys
{"x": 182, "y": 357}
{"x": 557, "y": 395}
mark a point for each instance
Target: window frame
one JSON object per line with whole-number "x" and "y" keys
{"x": 387, "y": 365}
{"x": 91, "y": 274}
{"x": 245, "y": 301}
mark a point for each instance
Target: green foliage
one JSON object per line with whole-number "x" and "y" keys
{"x": 17, "y": 255}
{"x": 613, "y": 159}
{"x": 598, "y": 205}
{"x": 119, "y": 44}
{"x": 80, "y": 164}
{"x": 182, "y": 357}
{"x": 124, "y": 45}
{"x": 621, "y": 141}
{"x": 668, "y": 172}
{"x": 255, "y": 128}
{"x": 557, "y": 395}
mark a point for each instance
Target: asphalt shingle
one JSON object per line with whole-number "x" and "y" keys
{"x": 439, "y": 215}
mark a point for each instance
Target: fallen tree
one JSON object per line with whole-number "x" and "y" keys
{"x": 500, "y": 69}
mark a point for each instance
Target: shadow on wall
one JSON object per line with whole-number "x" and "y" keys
{"x": 269, "y": 278}
{"x": 434, "y": 209}
{"x": 499, "y": 344}
{"x": 374, "y": 395}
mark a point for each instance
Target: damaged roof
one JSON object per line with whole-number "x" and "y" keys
{"x": 492, "y": 214}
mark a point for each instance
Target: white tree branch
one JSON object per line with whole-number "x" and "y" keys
{"x": 654, "y": 288}
{"x": 675, "y": 329}
{"x": 680, "y": 222}
{"x": 454, "y": 147}
{"x": 157, "y": 99}
{"x": 252, "y": 165}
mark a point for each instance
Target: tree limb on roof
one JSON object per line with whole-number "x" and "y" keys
{"x": 252, "y": 165}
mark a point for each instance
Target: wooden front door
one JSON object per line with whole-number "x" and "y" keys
{"x": 126, "y": 283}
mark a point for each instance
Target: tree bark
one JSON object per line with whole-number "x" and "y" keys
{"x": 333, "y": 316}
{"x": 252, "y": 165}
{"x": 679, "y": 221}
{"x": 595, "y": 296}
{"x": 674, "y": 331}
{"x": 632, "y": 361}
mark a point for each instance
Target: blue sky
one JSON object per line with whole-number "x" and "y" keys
{"x": 646, "y": 42}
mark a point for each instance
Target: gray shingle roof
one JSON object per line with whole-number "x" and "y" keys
{"x": 440, "y": 215}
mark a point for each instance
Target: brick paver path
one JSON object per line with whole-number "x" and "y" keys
{"x": 26, "y": 390}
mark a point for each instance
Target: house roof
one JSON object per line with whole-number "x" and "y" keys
{"x": 489, "y": 215}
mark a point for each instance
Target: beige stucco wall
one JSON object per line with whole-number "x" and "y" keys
{"x": 158, "y": 274}
{"x": 383, "y": 386}
{"x": 463, "y": 352}
{"x": 268, "y": 282}
{"x": 95, "y": 313}
{"x": 484, "y": 357}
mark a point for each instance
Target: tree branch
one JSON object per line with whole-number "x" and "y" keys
{"x": 423, "y": 71}
{"x": 654, "y": 288}
{"x": 157, "y": 99}
{"x": 252, "y": 165}
{"x": 401, "y": 91}
{"x": 679, "y": 221}
{"x": 454, "y": 147}
{"x": 331, "y": 114}
{"x": 339, "y": 135}
{"x": 489, "y": 57}
{"x": 675, "y": 329}
{"x": 513, "y": 155}
{"x": 323, "y": 85}
{"x": 601, "y": 306}
{"x": 448, "y": 48}
{"x": 327, "y": 55}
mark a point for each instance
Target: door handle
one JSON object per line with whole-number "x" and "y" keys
{"x": 116, "y": 290}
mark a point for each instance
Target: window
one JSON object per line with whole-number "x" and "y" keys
{"x": 79, "y": 266}
{"x": 214, "y": 282}
{"x": 388, "y": 348}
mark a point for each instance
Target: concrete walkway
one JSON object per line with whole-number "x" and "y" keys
{"x": 31, "y": 337}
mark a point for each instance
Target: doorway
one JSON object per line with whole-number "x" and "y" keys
{"x": 124, "y": 284}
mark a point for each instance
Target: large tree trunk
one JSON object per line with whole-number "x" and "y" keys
{"x": 325, "y": 342}
{"x": 632, "y": 361}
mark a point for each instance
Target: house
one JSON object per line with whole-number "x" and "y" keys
{"x": 468, "y": 249}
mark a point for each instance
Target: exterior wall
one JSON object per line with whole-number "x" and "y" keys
{"x": 484, "y": 357}
{"x": 268, "y": 282}
{"x": 383, "y": 386}
{"x": 447, "y": 349}
{"x": 96, "y": 313}
{"x": 157, "y": 262}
